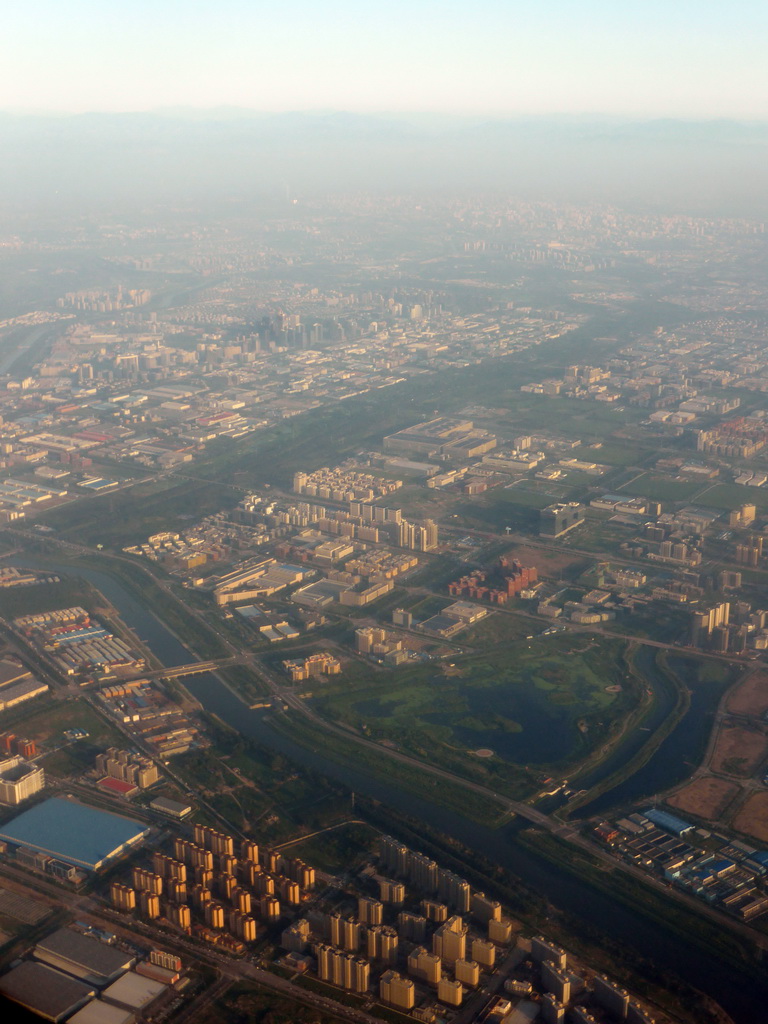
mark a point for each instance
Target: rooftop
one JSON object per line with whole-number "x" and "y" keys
{"x": 73, "y": 832}
{"x": 82, "y": 951}
{"x": 49, "y": 993}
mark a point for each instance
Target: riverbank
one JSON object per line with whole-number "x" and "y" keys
{"x": 743, "y": 993}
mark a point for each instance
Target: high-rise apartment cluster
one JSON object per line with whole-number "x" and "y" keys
{"x": 127, "y": 766}
{"x": 215, "y": 887}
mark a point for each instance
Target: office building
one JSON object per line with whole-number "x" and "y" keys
{"x": 557, "y": 519}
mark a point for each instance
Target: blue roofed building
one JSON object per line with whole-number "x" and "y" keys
{"x": 68, "y": 831}
{"x": 668, "y": 822}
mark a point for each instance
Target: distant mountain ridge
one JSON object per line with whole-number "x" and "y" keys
{"x": 151, "y": 156}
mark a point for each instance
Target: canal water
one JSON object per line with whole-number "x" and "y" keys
{"x": 676, "y": 756}
{"x": 736, "y": 990}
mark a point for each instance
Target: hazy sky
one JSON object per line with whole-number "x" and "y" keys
{"x": 700, "y": 58}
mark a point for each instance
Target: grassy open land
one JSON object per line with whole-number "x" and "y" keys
{"x": 661, "y": 488}
{"x": 247, "y": 1002}
{"x": 537, "y": 703}
{"x": 337, "y": 848}
{"x": 245, "y": 681}
{"x": 498, "y": 629}
{"x": 131, "y": 516}
{"x": 614, "y": 453}
{"x": 728, "y": 496}
{"x": 260, "y": 791}
{"x": 46, "y": 597}
{"x": 575, "y": 418}
{"x": 453, "y": 796}
{"x": 47, "y": 725}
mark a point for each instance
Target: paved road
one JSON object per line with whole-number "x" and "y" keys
{"x": 561, "y": 829}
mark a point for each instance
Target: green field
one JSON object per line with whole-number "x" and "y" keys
{"x": 48, "y": 724}
{"x": 728, "y": 496}
{"x": 538, "y": 702}
{"x": 661, "y": 488}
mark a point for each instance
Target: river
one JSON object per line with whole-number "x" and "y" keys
{"x": 677, "y": 755}
{"x": 737, "y": 991}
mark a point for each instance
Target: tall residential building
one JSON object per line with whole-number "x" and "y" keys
{"x": 122, "y": 896}
{"x": 467, "y": 972}
{"x": 484, "y": 952}
{"x": 370, "y": 911}
{"x": 397, "y": 991}
{"x": 450, "y": 992}
{"x": 346, "y": 970}
{"x": 454, "y": 890}
{"x": 542, "y": 950}
{"x": 412, "y": 927}
{"x": 128, "y": 767}
{"x": 381, "y": 943}
{"x": 485, "y": 909}
{"x": 19, "y": 780}
{"x": 449, "y": 941}
{"x": 703, "y": 624}
{"x": 425, "y": 966}
{"x": 391, "y": 892}
{"x": 295, "y": 937}
{"x": 611, "y": 997}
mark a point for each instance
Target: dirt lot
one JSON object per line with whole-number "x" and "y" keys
{"x": 738, "y": 750}
{"x": 706, "y": 798}
{"x": 753, "y": 817}
{"x": 751, "y": 696}
{"x": 551, "y": 563}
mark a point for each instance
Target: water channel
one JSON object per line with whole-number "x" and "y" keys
{"x": 736, "y": 990}
{"x": 676, "y": 756}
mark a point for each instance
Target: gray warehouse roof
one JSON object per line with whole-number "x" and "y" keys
{"x": 83, "y": 955}
{"x": 44, "y": 991}
{"x": 134, "y": 991}
{"x": 97, "y": 1012}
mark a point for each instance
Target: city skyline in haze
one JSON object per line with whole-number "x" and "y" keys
{"x": 493, "y": 59}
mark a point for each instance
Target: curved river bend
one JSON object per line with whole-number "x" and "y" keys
{"x": 737, "y": 991}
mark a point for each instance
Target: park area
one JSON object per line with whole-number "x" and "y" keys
{"x": 546, "y": 702}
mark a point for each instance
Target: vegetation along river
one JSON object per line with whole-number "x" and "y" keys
{"x": 744, "y": 997}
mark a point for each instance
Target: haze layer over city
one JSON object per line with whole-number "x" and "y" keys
{"x": 383, "y": 498}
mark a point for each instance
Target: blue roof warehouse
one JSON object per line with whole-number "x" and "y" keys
{"x": 74, "y": 833}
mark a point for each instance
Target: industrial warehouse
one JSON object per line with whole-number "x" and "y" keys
{"x": 64, "y": 830}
